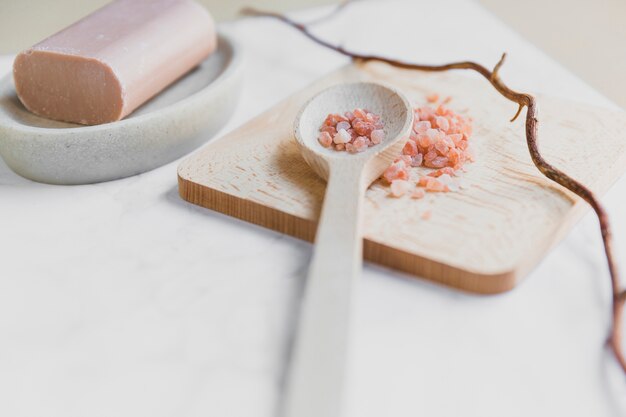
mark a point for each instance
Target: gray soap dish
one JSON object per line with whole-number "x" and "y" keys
{"x": 173, "y": 123}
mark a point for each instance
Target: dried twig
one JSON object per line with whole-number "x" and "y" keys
{"x": 523, "y": 100}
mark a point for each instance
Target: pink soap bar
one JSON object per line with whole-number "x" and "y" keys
{"x": 103, "y": 67}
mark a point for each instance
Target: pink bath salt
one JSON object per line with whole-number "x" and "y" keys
{"x": 377, "y": 136}
{"x": 433, "y": 134}
{"x": 429, "y": 156}
{"x": 454, "y": 158}
{"x": 441, "y": 137}
{"x": 421, "y": 126}
{"x": 396, "y": 171}
{"x": 437, "y": 187}
{"x": 442, "y": 171}
{"x": 405, "y": 159}
{"x": 361, "y": 143}
{"x": 410, "y": 148}
{"x": 354, "y": 131}
{"x": 332, "y": 131}
{"x": 399, "y": 187}
{"x": 448, "y": 142}
{"x": 449, "y": 182}
{"x": 456, "y": 138}
{"x": 426, "y": 113}
{"x": 333, "y": 119}
{"x": 417, "y": 160}
{"x": 360, "y": 113}
{"x": 432, "y": 98}
{"x": 418, "y": 193}
{"x": 363, "y": 128}
{"x": 424, "y": 141}
{"x": 325, "y": 139}
{"x": 432, "y": 184}
{"x": 342, "y": 136}
{"x": 343, "y": 125}
{"x": 441, "y": 148}
{"x": 423, "y": 181}
{"x": 437, "y": 162}
{"x": 443, "y": 123}
{"x": 426, "y": 214}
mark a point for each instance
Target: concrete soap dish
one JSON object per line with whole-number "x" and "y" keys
{"x": 173, "y": 123}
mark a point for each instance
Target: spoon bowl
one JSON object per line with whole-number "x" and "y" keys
{"x": 316, "y": 378}
{"x": 393, "y": 108}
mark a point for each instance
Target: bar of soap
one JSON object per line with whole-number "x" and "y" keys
{"x": 103, "y": 67}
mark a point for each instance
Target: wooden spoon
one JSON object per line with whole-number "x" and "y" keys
{"x": 315, "y": 382}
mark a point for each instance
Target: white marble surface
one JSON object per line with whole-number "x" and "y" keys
{"x": 119, "y": 299}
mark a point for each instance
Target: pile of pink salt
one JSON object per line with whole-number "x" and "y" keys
{"x": 354, "y": 131}
{"x": 439, "y": 140}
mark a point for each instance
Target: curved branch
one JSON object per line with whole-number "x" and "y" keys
{"x": 523, "y": 100}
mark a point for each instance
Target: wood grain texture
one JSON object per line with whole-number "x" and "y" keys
{"x": 482, "y": 239}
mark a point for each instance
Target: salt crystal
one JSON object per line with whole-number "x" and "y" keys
{"x": 399, "y": 187}
{"x": 434, "y": 185}
{"x": 343, "y": 125}
{"x": 438, "y": 162}
{"x": 417, "y": 160}
{"x": 377, "y": 136}
{"x": 445, "y": 179}
{"x": 330, "y": 129}
{"x": 441, "y": 137}
{"x": 410, "y": 148}
{"x": 397, "y": 170}
{"x": 432, "y": 98}
{"x": 429, "y": 156}
{"x": 442, "y": 123}
{"x": 442, "y": 148}
{"x": 418, "y": 193}
{"x": 325, "y": 139}
{"x": 404, "y": 159}
{"x": 421, "y": 126}
{"x": 433, "y": 134}
{"x": 363, "y": 128}
{"x": 361, "y": 143}
{"x": 424, "y": 141}
{"x": 360, "y": 113}
{"x": 342, "y": 136}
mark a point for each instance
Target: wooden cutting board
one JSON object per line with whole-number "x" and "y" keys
{"x": 483, "y": 239}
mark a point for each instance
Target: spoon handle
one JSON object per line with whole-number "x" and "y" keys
{"x": 317, "y": 374}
